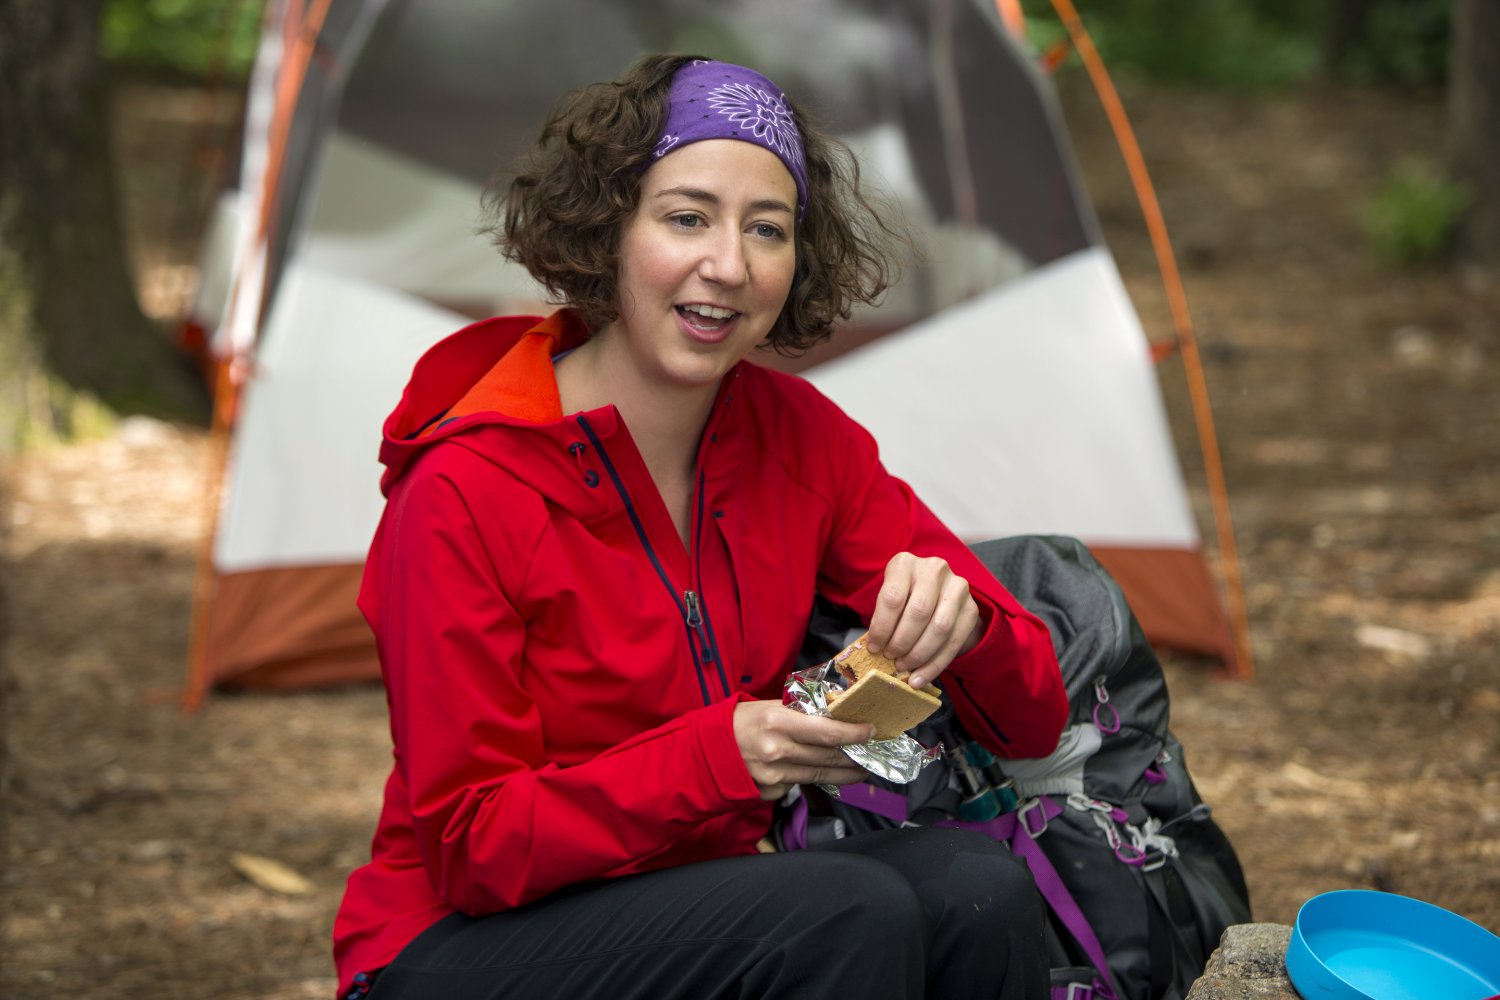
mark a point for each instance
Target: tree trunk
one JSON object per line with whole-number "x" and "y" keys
{"x": 67, "y": 299}
{"x": 1344, "y": 26}
{"x": 1474, "y": 123}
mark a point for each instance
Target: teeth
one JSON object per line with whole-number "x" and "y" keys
{"x": 710, "y": 311}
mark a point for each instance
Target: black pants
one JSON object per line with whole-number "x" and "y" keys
{"x": 918, "y": 912}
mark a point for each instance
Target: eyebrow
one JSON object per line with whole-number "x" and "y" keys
{"x": 698, "y": 194}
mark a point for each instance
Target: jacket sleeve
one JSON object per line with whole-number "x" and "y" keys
{"x": 1007, "y": 690}
{"x": 495, "y": 822}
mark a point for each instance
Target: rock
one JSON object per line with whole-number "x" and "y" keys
{"x": 1415, "y": 346}
{"x": 1249, "y": 964}
{"x": 147, "y": 851}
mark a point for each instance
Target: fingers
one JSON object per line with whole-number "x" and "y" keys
{"x": 782, "y": 747}
{"x": 943, "y": 640}
{"x": 818, "y": 731}
{"x": 807, "y": 741}
{"x": 816, "y": 776}
{"x": 891, "y": 602}
{"x": 924, "y": 615}
{"x": 847, "y": 773}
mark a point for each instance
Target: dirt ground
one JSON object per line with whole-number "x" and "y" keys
{"x": 1359, "y": 413}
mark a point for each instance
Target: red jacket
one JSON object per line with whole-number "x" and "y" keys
{"x": 562, "y": 672}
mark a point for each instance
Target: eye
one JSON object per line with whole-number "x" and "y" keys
{"x": 767, "y": 231}
{"x": 687, "y": 220}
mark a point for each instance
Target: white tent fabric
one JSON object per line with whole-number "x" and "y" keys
{"x": 403, "y": 224}
{"x": 1021, "y": 389}
{"x": 304, "y": 481}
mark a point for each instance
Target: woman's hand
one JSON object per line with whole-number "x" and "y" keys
{"x": 782, "y": 747}
{"x": 924, "y": 616}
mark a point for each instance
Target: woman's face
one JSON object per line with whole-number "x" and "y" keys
{"x": 706, "y": 262}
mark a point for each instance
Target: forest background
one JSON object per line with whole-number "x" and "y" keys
{"x": 1328, "y": 171}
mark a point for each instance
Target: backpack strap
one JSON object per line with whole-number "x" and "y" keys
{"x": 1166, "y": 891}
{"x": 1019, "y": 829}
{"x": 882, "y": 802}
{"x": 793, "y": 828}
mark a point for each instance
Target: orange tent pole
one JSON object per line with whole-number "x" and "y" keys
{"x": 302, "y": 31}
{"x": 1242, "y": 663}
{"x": 225, "y": 394}
{"x": 1013, "y": 17}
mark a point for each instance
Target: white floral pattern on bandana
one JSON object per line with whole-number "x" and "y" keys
{"x": 664, "y": 144}
{"x": 765, "y": 115}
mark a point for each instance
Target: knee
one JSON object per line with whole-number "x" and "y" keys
{"x": 859, "y": 924}
{"x": 991, "y": 928}
{"x": 860, "y": 896}
{"x": 985, "y": 879}
{"x": 891, "y": 901}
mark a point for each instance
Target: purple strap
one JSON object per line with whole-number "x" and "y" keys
{"x": 1061, "y": 900}
{"x": 794, "y": 831}
{"x": 1019, "y": 829}
{"x": 1081, "y": 991}
{"x": 883, "y": 803}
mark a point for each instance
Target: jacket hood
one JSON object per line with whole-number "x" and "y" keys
{"x": 497, "y": 370}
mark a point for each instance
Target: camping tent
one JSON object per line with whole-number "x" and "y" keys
{"x": 1006, "y": 377}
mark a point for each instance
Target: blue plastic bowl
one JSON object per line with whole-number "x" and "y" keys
{"x": 1356, "y": 944}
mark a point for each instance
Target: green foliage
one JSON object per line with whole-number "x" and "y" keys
{"x": 187, "y": 37}
{"x": 57, "y": 413}
{"x": 1405, "y": 44}
{"x": 1412, "y": 218}
{"x": 36, "y": 409}
{"x": 1228, "y": 44}
{"x": 1258, "y": 45}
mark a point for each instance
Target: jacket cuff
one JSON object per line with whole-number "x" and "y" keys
{"x": 721, "y": 752}
{"x": 996, "y": 638}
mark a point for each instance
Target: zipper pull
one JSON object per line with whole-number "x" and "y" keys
{"x": 695, "y": 622}
{"x": 1106, "y": 716}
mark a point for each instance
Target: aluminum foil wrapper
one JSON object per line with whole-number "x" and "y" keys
{"x": 897, "y": 760}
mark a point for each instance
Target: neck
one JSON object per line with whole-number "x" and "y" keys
{"x": 666, "y": 422}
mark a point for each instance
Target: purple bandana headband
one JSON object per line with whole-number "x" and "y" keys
{"x": 717, "y": 100}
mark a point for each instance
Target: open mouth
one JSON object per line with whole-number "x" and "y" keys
{"x": 704, "y": 317}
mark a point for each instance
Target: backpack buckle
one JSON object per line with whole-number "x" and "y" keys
{"x": 1087, "y": 991}
{"x": 1024, "y": 814}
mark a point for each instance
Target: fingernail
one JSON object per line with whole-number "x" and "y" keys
{"x": 917, "y": 682}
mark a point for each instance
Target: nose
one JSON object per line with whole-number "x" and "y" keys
{"x": 724, "y": 261}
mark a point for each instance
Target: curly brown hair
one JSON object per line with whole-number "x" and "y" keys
{"x": 561, "y": 213}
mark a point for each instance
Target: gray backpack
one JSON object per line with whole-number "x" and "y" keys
{"x": 1139, "y": 881}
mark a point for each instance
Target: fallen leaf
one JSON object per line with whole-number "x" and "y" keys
{"x": 1305, "y": 777}
{"x": 1393, "y": 640}
{"x": 270, "y": 875}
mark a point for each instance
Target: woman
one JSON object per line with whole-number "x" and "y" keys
{"x": 603, "y": 535}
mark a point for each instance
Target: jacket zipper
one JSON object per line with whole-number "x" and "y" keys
{"x": 710, "y": 640}
{"x": 703, "y": 652}
{"x": 688, "y": 604}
